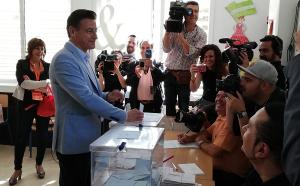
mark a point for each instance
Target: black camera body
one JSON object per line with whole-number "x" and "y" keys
{"x": 231, "y": 54}
{"x": 141, "y": 63}
{"x": 176, "y": 13}
{"x": 107, "y": 60}
{"x": 192, "y": 120}
{"x": 230, "y": 84}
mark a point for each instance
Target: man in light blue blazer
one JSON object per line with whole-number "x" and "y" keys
{"x": 80, "y": 103}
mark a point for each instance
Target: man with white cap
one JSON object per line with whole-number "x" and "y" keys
{"x": 258, "y": 88}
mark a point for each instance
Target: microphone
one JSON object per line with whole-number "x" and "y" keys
{"x": 227, "y": 40}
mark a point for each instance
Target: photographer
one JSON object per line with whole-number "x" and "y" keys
{"x": 145, "y": 82}
{"x": 211, "y": 68}
{"x": 258, "y": 88}
{"x": 220, "y": 142}
{"x": 183, "y": 49}
{"x": 111, "y": 79}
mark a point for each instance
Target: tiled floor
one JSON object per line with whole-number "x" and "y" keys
{"x": 29, "y": 177}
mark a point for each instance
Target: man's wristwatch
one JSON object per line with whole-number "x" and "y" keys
{"x": 242, "y": 114}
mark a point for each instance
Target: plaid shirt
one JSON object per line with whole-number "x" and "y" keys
{"x": 176, "y": 59}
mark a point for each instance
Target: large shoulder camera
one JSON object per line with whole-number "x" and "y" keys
{"x": 107, "y": 60}
{"x": 176, "y": 13}
{"x": 231, "y": 54}
{"x": 234, "y": 50}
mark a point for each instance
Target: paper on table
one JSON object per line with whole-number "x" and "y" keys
{"x": 191, "y": 168}
{"x": 170, "y": 176}
{"x": 169, "y": 144}
{"x": 129, "y": 135}
{"x": 152, "y": 117}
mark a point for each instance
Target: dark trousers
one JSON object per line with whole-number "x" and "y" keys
{"x": 23, "y": 131}
{"x": 148, "y": 107}
{"x": 172, "y": 90}
{"x": 75, "y": 169}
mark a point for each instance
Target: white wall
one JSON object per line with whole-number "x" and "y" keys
{"x": 283, "y": 13}
{"x": 222, "y": 24}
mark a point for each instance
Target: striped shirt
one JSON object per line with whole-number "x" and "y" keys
{"x": 176, "y": 59}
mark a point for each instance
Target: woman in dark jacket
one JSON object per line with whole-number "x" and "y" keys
{"x": 32, "y": 73}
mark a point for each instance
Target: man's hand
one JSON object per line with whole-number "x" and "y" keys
{"x": 235, "y": 104}
{"x": 244, "y": 58}
{"x": 115, "y": 96}
{"x": 134, "y": 115}
{"x": 183, "y": 138}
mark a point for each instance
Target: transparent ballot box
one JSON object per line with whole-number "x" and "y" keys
{"x": 128, "y": 155}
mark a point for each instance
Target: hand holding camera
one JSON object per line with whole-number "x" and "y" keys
{"x": 176, "y": 13}
{"x": 100, "y": 68}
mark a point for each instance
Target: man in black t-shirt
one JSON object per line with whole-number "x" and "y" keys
{"x": 270, "y": 49}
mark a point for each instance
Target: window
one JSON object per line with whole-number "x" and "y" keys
{"x": 42, "y": 19}
{"x": 47, "y": 21}
{"x": 10, "y": 37}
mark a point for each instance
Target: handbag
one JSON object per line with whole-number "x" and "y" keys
{"x": 46, "y": 107}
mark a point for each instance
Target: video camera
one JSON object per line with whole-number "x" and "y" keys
{"x": 176, "y": 13}
{"x": 233, "y": 51}
{"x": 231, "y": 54}
{"x": 107, "y": 60}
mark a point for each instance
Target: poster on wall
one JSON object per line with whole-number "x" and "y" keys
{"x": 239, "y": 10}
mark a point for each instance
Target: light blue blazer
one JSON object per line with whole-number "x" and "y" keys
{"x": 80, "y": 104}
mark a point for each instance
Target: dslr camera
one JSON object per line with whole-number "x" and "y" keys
{"x": 176, "y": 13}
{"x": 107, "y": 60}
{"x": 193, "y": 120}
{"x": 231, "y": 54}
